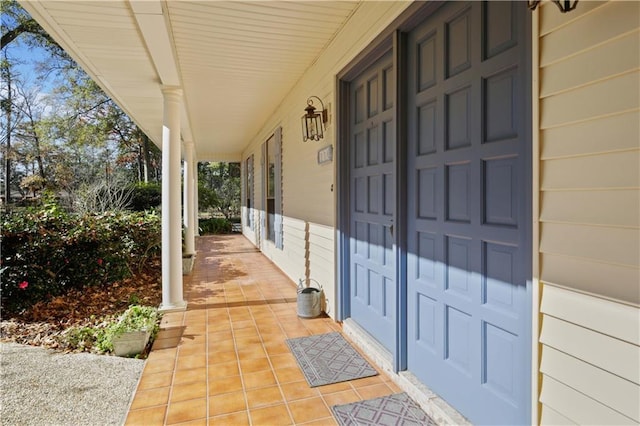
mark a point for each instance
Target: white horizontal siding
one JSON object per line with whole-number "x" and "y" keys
{"x": 578, "y": 105}
{"x": 322, "y": 261}
{"x": 593, "y": 207}
{"x": 294, "y": 236}
{"x": 561, "y": 75}
{"x": 605, "y": 352}
{"x": 590, "y": 359}
{"x": 577, "y": 407}
{"x": 606, "y": 317}
{"x": 607, "y": 170}
{"x": 588, "y": 276}
{"x": 593, "y": 382}
{"x": 606, "y": 244}
{"x": 589, "y": 213}
{"x": 552, "y": 417}
{"x": 590, "y": 148}
{"x": 618, "y": 132}
{"x": 584, "y": 28}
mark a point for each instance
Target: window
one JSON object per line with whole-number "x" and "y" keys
{"x": 248, "y": 193}
{"x": 272, "y": 164}
{"x": 271, "y": 189}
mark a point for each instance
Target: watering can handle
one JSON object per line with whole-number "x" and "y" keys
{"x": 302, "y": 280}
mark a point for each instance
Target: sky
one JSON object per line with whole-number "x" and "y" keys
{"x": 25, "y": 60}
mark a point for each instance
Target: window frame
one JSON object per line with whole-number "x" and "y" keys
{"x": 272, "y": 227}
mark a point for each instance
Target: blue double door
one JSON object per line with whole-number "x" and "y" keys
{"x": 450, "y": 295}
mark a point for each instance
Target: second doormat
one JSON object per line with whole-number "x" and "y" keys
{"x": 329, "y": 358}
{"x": 390, "y": 410}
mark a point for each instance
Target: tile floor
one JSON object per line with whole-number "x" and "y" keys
{"x": 225, "y": 361}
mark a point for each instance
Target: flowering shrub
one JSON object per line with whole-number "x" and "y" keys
{"x": 46, "y": 252}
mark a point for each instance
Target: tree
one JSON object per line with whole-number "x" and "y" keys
{"x": 7, "y": 109}
{"x": 224, "y": 179}
{"x": 28, "y": 130}
{"x": 84, "y": 138}
{"x": 18, "y": 25}
{"x": 16, "y": 21}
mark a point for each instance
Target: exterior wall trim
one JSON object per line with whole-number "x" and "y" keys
{"x": 535, "y": 215}
{"x": 399, "y": 65}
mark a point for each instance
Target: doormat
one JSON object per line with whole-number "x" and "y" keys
{"x": 328, "y": 358}
{"x": 396, "y": 410}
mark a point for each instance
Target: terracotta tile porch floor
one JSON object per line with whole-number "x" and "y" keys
{"x": 225, "y": 361}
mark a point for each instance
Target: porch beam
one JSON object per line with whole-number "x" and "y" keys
{"x": 153, "y": 28}
{"x": 188, "y": 197}
{"x": 172, "y": 294}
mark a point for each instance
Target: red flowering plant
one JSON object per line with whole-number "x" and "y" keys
{"x": 44, "y": 254}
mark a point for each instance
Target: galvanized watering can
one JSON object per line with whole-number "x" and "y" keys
{"x": 309, "y": 299}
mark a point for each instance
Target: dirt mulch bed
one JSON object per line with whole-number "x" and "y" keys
{"x": 44, "y": 322}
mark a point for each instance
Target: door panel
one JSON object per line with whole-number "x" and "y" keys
{"x": 468, "y": 249}
{"x": 372, "y": 181}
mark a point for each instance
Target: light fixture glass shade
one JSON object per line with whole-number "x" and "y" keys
{"x": 312, "y": 123}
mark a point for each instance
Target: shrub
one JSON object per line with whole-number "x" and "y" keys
{"x": 215, "y": 225}
{"x": 145, "y": 196}
{"x": 84, "y": 338}
{"x": 207, "y": 198}
{"x": 102, "y": 197}
{"x": 47, "y": 252}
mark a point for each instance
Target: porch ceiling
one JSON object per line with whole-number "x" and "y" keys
{"x": 235, "y": 61}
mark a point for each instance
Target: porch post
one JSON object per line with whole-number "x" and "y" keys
{"x": 188, "y": 204}
{"x": 172, "y": 299}
{"x": 196, "y": 205}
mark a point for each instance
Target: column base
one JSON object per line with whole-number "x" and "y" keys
{"x": 173, "y": 307}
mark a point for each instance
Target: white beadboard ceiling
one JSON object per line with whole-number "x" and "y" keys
{"x": 235, "y": 61}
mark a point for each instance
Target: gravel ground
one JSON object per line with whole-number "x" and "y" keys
{"x": 42, "y": 387}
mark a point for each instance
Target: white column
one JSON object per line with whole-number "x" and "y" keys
{"x": 172, "y": 297}
{"x": 188, "y": 204}
{"x": 196, "y": 205}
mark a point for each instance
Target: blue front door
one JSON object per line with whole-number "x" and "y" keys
{"x": 372, "y": 201}
{"x": 468, "y": 244}
{"x": 465, "y": 252}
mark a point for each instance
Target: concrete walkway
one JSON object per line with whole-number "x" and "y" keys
{"x": 225, "y": 360}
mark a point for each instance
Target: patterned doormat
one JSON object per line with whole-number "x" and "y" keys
{"x": 328, "y": 358}
{"x": 396, "y": 410}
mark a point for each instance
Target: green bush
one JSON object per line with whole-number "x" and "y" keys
{"x": 145, "y": 196}
{"x": 47, "y": 252}
{"x": 215, "y": 225}
{"x": 85, "y": 338}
